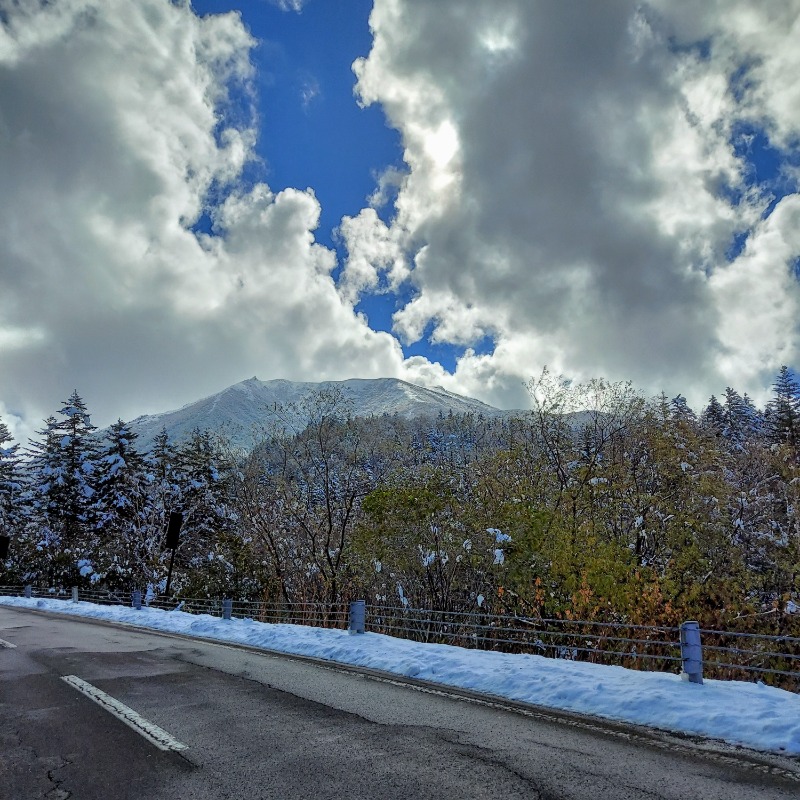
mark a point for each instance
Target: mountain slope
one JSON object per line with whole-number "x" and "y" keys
{"x": 243, "y": 411}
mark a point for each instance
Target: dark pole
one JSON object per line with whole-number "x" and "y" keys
{"x": 169, "y": 573}
{"x": 173, "y": 534}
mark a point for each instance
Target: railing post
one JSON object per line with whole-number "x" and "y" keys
{"x": 74, "y": 594}
{"x": 136, "y": 600}
{"x": 227, "y": 608}
{"x": 692, "y": 651}
{"x": 29, "y": 591}
{"x": 357, "y": 616}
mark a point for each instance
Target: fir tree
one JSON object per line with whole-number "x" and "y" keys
{"x": 122, "y": 508}
{"x": 10, "y": 485}
{"x": 679, "y": 409}
{"x": 202, "y": 498}
{"x": 121, "y": 475}
{"x": 741, "y": 419}
{"x": 162, "y": 457}
{"x": 713, "y": 417}
{"x": 783, "y": 411}
{"x": 61, "y": 476}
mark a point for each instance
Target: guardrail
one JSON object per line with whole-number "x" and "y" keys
{"x": 690, "y": 649}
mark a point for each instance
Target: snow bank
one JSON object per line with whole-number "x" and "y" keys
{"x": 749, "y": 714}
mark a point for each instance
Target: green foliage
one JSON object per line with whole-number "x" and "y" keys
{"x": 598, "y": 504}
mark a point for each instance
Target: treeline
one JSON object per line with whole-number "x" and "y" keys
{"x": 598, "y": 504}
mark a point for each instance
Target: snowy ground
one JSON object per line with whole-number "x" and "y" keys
{"x": 749, "y": 714}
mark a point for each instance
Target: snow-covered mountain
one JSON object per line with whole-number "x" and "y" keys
{"x": 244, "y": 411}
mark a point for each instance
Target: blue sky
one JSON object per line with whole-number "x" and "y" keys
{"x": 608, "y": 191}
{"x": 311, "y": 130}
{"x": 313, "y": 133}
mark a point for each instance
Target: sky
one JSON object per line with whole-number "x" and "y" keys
{"x": 739, "y": 712}
{"x": 453, "y": 193}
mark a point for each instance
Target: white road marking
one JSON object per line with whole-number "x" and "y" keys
{"x": 157, "y": 736}
{"x": 4, "y": 643}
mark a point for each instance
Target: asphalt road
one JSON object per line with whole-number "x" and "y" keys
{"x": 259, "y": 725}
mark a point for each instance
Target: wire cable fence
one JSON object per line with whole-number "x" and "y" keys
{"x": 318, "y": 615}
{"x": 315, "y": 614}
{"x": 748, "y": 656}
{"x": 575, "y": 640}
{"x": 727, "y": 655}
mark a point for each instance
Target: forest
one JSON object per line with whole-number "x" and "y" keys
{"x": 598, "y": 504}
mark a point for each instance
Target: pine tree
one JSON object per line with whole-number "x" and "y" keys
{"x": 783, "y": 411}
{"x": 713, "y": 417}
{"x": 162, "y": 457}
{"x": 61, "y": 488}
{"x": 10, "y": 486}
{"x": 121, "y": 470}
{"x": 122, "y": 509}
{"x": 679, "y": 409}
{"x": 202, "y": 499}
{"x": 741, "y": 419}
{"x": 754, "y": 419}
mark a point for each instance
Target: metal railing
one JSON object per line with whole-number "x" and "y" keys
{"x": 727, "y": 655}
{"x": 576, "y": 640}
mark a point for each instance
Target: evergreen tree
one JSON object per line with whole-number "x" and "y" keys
{"x": 9, "y": 477}
{"x": 783, "y": 416}
{"x": 679, "y": 409}
{"x": 61, "y": 477}
{"x": 713, "y": 417}
{"x": 741, "y": 419}
{"x": 10, "y": 486}
{"x": 162, "y": 458}
{"x": 754, "y": 419}
{"x": 121, "y": 470}
{"x": 122, "y": 509}
{"x": 202, "y": 500}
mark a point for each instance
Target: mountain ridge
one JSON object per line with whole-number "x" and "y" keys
{"x": 241, "y": 411}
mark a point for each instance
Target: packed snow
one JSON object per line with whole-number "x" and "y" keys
{"x": 749, "y": 714}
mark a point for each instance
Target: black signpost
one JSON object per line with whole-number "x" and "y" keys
{"x": 4, "y": 542}
{"x": 173, "y": 534}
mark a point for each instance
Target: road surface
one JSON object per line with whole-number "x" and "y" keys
{"x": 253, "y": 725}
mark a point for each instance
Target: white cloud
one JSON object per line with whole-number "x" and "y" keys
{"x": 573, "y": 188}
{"x": 289, "y": 5}
{"x": 758, "y": 299}
{"x": 112, "y": 132}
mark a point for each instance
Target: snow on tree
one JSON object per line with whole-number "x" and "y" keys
{"x": 61, "y": 478}
{"x": 783, "y": 411}
{"x": 713, "y": 416}
{"x": 11, "y": 509}
{"x": 741, "y": 420}
{"x": 9, "y": 479}
{"x": 129, "y": 542}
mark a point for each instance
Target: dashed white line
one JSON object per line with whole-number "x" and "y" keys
{"x": 149, "y": 730}
{"x": 4, "y": 643}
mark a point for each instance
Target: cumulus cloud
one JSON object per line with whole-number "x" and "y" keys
{"x": 118, "y": 122}
{"x": 574, "y": 188}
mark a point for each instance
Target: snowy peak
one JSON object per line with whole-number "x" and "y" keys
{"x": 244, "y": 411}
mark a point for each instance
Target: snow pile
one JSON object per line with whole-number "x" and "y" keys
{"x": 753, "y": 715}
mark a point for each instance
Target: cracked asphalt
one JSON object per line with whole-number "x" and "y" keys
{"x": 266, "y": 726}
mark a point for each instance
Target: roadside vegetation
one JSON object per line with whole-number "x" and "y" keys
{"x": 597, "y": 505}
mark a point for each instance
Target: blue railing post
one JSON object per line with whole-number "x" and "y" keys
{"x": 692, "y": 651}
{"x": 357, "y": 616}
